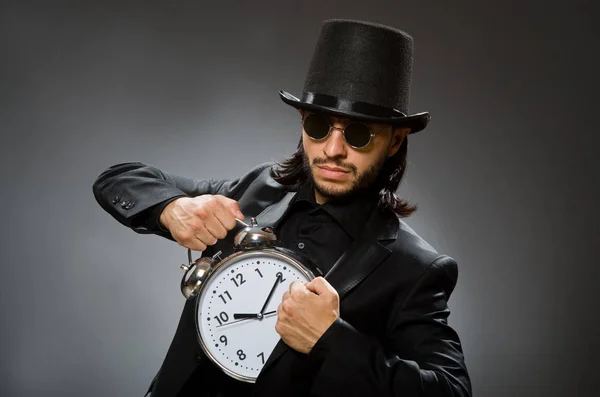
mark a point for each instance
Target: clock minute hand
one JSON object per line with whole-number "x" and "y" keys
{"x": 262, "y": 311}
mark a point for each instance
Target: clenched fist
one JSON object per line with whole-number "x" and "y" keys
{"x": 306, "y": 312}
{"x": 197, "y": 222}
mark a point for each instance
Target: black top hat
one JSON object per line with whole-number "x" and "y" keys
{"x": 361, "y": 70}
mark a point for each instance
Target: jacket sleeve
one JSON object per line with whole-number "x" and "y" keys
{"x": 135, "y": 193}
{"x": 422, "y": 354}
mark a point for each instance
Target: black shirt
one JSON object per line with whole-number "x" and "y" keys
{"x": 324, "y": 232}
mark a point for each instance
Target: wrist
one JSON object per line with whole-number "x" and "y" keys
{"x": 321, "y": 347}
{"x": 165, "y": 215}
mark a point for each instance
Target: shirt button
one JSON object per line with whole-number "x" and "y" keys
{"x": 301, "y": 245}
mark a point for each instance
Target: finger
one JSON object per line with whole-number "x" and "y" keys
{"x": 298, "y": 290}
{"x": 320, "y": 286}
{"x": 194, "y": 237}
{"x": 296, "y": 285}
{"x": 194, "y": 244}
{"x": 198, "y": 245}
{"x": 224, "y": 215}
{"x": 233, "y": 207}
{"x": 203, "y": 234}
{"x": 286, "y": 295}
{"x": 214, "y": 226}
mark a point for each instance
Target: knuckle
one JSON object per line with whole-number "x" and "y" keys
{"x": 185, "y": 236}
{"x": 201, "y": 211}
{"x": 286, "y": 306}
{"x": 224, "y": 199}
{"x": 216, "y": 201}
{"x": 293, "y": 285}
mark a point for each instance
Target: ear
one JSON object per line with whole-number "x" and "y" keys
{"x": 398, "y": 136}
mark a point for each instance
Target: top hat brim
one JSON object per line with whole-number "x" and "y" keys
{"x": 415, "y": 122}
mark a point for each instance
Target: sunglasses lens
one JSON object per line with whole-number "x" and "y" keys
{"x": 316, "y": 126}
{"x": 357, "y": 134}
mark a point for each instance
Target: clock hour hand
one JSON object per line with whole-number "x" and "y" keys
{"x": 246, "y": 316}
{"x": 277, "y": 281}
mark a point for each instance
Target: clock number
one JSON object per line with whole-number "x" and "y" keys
{"x": 240, "y": 278}
{"x": 241, "y": 354}
{"x": 223, "y": 298}
{"x": 223, "y": 339}
{"x": 258, "y": 271}
{"x": 262, "y": 357}
{"x": 222, "y": 318}
{"x": 280, "y": 275}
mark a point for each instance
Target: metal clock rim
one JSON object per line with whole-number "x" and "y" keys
{"x": 273, "y": 251}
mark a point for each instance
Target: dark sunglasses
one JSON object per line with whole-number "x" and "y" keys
{"x": 356, "y": 134}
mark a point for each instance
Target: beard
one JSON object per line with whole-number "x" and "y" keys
{"x": 362, "y": 181}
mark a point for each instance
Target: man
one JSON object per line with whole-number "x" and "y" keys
{"x": 376, "y": 324}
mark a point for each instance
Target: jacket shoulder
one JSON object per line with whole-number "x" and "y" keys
{"x": 415, "y": 256}
{"x": 260, "y": 189}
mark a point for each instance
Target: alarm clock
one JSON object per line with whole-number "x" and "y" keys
{"x": 237, "y": 298}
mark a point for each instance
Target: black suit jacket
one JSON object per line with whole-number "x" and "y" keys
{"x": 392, "y": 338}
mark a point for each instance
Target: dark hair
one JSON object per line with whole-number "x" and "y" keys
{"x": 291, "y": 172}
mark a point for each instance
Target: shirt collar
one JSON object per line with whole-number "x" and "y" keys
{"x": 350, "y": 213}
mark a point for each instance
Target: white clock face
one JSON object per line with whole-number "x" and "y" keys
{"x": 236, "y": 328}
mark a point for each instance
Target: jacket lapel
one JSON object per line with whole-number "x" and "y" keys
{"x": 273, "y": 214}
{"x": 356, "y": 263}
{"x": 364, "y": 255}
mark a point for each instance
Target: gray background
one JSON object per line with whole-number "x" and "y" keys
{"x": 504, "y": 176}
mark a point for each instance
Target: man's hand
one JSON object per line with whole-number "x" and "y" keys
{"x": 197, "y": 222}
{"x": 305, "y": 313}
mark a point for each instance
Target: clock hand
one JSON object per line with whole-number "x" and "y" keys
{"x": 270, "y": 294}
{"x": 245, "y": 315}
{"x": 246, "y": 318}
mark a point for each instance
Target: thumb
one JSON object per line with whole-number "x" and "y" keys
{"x": 320, "y": 286}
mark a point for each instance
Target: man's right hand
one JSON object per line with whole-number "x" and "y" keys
{"x": 197, "y": 222}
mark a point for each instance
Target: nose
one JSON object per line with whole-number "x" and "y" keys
{"x": 335, "y": 145}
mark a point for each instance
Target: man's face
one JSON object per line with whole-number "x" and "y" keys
{"x": 337, "y": 169}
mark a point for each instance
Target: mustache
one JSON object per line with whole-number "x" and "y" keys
{"x": 337, "y": 163}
